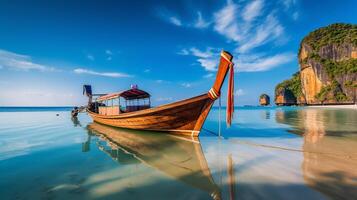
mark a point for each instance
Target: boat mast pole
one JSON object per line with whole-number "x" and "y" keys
{"x": 219, "y": 117}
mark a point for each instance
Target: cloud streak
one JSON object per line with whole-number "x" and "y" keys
{"x": 239, "y": 92}
{"x": 200, "y": 22}
{"x": 253, "y": 10}
{"x": 186, "y": 85}
{"x": 290, "y": 7}
{"x": 164, "y": 99}
{"x": 207, "y": 59}
{"x": 225, "y": 22}
{"x": 269, "y": 30}
{"x": 176, "y": 21}
{"x": 108, "y": 52}
{"x": 246, "y": 27}
{"x": 90, "y": 57}
{"x": 106, "y": 74}
{"x": 261, "y": 63}
{"x": 14, "y": 61}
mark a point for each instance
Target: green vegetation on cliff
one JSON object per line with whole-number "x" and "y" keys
{"x": 334, "y": 68}
{"x": 332, "y": 92}
{"x": 263, "y": 96}
{"x": 334, "y": 60}
{"x": 350, "y": 84}
{"x": 337, "y": 68}
{"x": 293, "y": 84}
{"x": 338, "y": 33}
{"x": 331, "y": 54}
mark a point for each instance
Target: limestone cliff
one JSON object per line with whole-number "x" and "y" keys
{"x": 328, "y": 66}
{"x": 264, "y": 100}
{"x": 289, "y": 92}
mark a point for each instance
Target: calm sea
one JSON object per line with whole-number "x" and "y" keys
{"x": 267, "y": 153}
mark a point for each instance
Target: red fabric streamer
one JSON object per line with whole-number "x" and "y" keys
{"x": 230, "y": 96}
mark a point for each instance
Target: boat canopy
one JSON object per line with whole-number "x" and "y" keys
{"x": 127, "y": 95}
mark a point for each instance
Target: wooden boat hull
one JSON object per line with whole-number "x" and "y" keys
{"x": 184, "y": 117}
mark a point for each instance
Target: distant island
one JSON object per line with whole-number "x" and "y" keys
{"x": 264, "y": 100}
{"x": 328, "y": 69}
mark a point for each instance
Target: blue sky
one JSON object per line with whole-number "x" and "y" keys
{"x": 49, "y": 49}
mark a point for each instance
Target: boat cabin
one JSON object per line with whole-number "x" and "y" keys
{"x": 123, "y": 102}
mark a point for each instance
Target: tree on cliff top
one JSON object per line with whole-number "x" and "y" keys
{"x": 340, "y": 82}
{"x": 338, "y": 33}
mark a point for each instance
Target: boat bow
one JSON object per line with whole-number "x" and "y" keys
{"x": 185, "y": 117}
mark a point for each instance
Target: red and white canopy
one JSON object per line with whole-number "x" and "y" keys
{"x": 128, "y": 95}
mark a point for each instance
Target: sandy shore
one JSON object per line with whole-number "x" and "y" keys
{"x": 335, "y": 106}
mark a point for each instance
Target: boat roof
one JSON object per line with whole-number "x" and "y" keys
{"x": 127, "y": 95}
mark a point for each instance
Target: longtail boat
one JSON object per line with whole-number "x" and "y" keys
{"x": 185, "y": 117}
{"x": 176, "y": 157}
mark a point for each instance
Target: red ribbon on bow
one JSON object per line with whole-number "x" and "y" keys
{"x": 230, "y": 96}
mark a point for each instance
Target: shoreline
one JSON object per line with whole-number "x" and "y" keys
{"x": 350, "y": 106}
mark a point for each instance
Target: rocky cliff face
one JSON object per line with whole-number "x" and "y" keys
{"x": 284, "y": 97}
{"x": 328, "y": 66}
{"x": 264, "y": 100}
{"x": 324, "y": 78}
{"x": 289, "y": 92}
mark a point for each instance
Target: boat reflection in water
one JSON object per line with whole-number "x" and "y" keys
{"x": 178, "y": 158}
{"x": 329, "y": 149}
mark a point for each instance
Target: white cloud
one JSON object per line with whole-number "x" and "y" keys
{"x": 208, "y": 59}
{"x": 210, "y": 75}
{"x": 147, "y": 70}
{"x": 20, "y": 62}
{"x": 261, "y": 63}
{"x": 90, "y": 57}
{"x": 183, "y": 52}
{"x": 186, "y": 85}
{"x": 210, "y": 64}
{"x": 176, "y": 21}
{"x": 225, "y": 22}
{"x": 247, "y": 30}
{"x": 107, "y": 74}
{"x": 202, "y": 54}
{"x": 200, "y": 22}
{"x": 247, "y": 26}
{"x": 161, "y": 81}
{"x": 290, "y": 7}
{"x": 253, "y": 10}
{"x": 269, "y": 30}
{"x": 239, "y": 92}
{"x": 108, "y": 52}
{"x": 288, "y": 3}
{"x": 164, "y": 99}
{"x": 168, "y": 16}
{"x": 295, "y": 15}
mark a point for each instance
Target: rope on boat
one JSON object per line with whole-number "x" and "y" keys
{"x": 285, "y": 148}
{"x": 293, "y": 150}
{"x": 209, "y": 131}
{"x": 219, "y": 118}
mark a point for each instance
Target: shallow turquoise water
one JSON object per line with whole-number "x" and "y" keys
{"x": 268, "y": 153}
